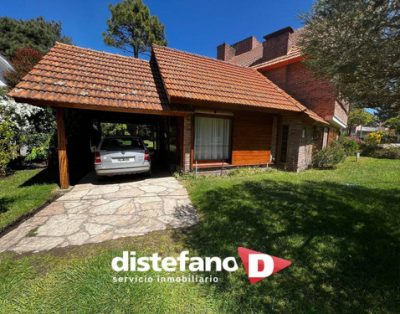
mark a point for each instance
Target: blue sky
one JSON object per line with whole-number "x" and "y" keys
{"x": 195, "y": 26}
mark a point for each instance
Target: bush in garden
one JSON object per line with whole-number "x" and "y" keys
{"x": 389, "y": 153}
{"x": 32, "y": 126}
{"x": 388, "y": 137}
{"x": 8, "y": 146}
{"x": 349, "y": 145}
{"x": 374, "y": 138}
{"x": 40, "y": 152}
{"x": 380, "y": 152}
{"x": 329, "y": 157}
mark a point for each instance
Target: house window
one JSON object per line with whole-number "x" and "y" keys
{"x": 212, "y": 138}
{"x": 284, "y": 142}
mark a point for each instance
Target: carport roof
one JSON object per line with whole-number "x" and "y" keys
{"x": 72, "y": 75}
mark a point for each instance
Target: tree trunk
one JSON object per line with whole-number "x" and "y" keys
{"x": 135, "y": 52}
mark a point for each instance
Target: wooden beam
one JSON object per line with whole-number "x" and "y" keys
{"x": 62, "y": 149}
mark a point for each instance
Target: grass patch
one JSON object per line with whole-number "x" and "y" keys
{"x": 80, "y": 280}
{"x": 339, "y": 227}
{"x": 22, "y": 192}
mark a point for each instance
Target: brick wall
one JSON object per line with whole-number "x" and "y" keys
{"x": 275, "y": 47}
{"x": 226, "y": 52}
{"x": 300, "y": 143}
{"x": 341, "y": 111}
{"x": 315, "y": 93}
{"x": 252, "y": 140}
{"x": 187, "y": 142}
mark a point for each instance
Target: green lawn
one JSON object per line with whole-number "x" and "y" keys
{"x": 339, "y": 227}
{"x": 22, "y": 192}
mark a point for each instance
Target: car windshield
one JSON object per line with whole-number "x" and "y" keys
{"x": 122, "y": 143}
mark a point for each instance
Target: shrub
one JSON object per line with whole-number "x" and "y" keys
{"x": 330, "y": 156}
{"x": 388, "y": 137}
{"x": 8, "y": 146}
{"x": 32, "y": 126}
{"x": 380, "y": 152}
{"x": 374, "y": 138}
{"x": 349, "y": 145}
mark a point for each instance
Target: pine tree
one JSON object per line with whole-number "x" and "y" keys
{"x": 35, "y": 33}
{"x": 132, "y": 28}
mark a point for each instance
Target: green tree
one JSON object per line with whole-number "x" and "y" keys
{"x": 356, "y": 45}
{"x": 132, "y": 28}
{"x": 394, "y": 123}
{"x": 358, "y": 116}
{"x": 35, "y": 33}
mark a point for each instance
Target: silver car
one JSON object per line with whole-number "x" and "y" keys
{"x": 119, "y": 155}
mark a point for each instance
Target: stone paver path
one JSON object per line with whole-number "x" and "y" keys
{"x": 92, "y": 213}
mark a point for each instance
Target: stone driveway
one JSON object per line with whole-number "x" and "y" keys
{"x": 96, "y": 212}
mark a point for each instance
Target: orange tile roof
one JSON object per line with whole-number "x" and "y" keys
{"x": 188, "y": 76}
{"x": 74, "y": 75}
{"x": 83, "y": 78}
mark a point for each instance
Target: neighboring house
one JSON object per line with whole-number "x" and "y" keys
{"x": 211, "y": 113}
{"x": 4, "y": 67}
{"x": 279, "y": 58}
{"x": 362, "y": 131}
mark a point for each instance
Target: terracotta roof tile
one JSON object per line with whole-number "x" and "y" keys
{"x": 70, "y": 74}
{"x": 79, "y": 76}
{"x": 193, "y": 77}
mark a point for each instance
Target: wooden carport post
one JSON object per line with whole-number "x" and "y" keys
{"x": 62, "y": 150}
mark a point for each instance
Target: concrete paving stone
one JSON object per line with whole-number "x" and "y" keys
{"x": 92, "y": 213}
{"x": 36, "y": 244}
{"x": 101, "y": 237}
{"x": 100, "y": 201}
{"x": 151, "y": 213}
{"x": 126, "y": 193}
{"x": 104, "y": 189}
{"x": 153, "y": 188}
{"x": 146, "y": 199}
{"x": 54, "y": 208}
{"x": 109, "y": 208}
{"x": 61, "y": 225}
{"x": 73, "y": 195}
{"x": 114, "y": 220}
{"x": 127, "y": 209}
{"x": 78, "y": 238}
{"x": 95, "y": 229}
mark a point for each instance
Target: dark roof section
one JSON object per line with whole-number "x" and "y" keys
{"x": 278, "y": 32}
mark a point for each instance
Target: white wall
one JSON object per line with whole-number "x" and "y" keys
{"x": 4, "y": 66}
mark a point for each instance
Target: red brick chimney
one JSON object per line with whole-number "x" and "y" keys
{"x": 276, "y": 44}
{"x": 226, "y": 52}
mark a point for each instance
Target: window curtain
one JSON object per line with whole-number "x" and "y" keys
{"x": 212, "y": 138}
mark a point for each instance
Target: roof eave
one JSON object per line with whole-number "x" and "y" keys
{"x": 279, "y": 64}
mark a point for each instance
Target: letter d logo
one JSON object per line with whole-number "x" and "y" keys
{"x": 259, "y": 265}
